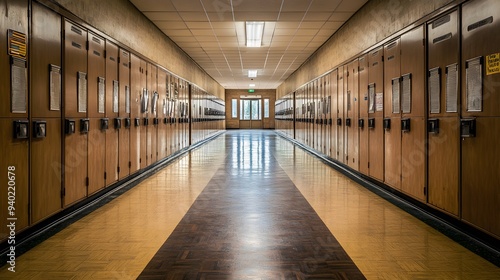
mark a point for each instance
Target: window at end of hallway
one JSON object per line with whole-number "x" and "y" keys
{"x": 234, "y": 108}
{"x": 266, "y": 108}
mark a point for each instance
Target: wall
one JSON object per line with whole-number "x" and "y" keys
{"x": 374, "y": 22}
{"x": 122, "y": 21}
{"x": 235, "y": 93}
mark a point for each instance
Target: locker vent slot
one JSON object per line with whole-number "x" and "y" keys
{"x": 19, "y": 85}
{"x": 390, "y": 57}
{"x": 392, "y": 45}
{"x": 97, "y": 53}
{"x": 371, "y": 98}
{"x": 101, "y": 94}
{"x": 127, "y": 99}
{"x": 435, "y": 90}
{"x": 441, "y": 21}
{"x": 96, "y": 40}
{"x": 76, "y": 45}
{"x": 82, "y": 92}
{"x": 406, "y": 94}
{"x": 375, "y": 64}
{"x": 480, "y": 23}
{"x": 55, "y": 87}
{"x": 452, "y": 88}
{"x": 396, "y": 88}
{"x": 442, "y": 38}
{"x": 115, "y": 96}
{"x": 474, "y": 84}
{"x": 76, "y": 30}
{"x": 112, "y": 58}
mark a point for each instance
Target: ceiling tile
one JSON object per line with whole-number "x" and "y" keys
{"x": 351, "y": 5}
{"x": 163, "y": 16}
{"x": 153, "y": 5}
{"x": 255, "y": 16}
{"x": 193, "y": 16}
{"x": 324, "y": 5}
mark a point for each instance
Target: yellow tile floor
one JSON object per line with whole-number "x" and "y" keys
{"x": 118, "y": 240}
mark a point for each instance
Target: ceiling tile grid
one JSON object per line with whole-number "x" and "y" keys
{"x": 212, "y": 33}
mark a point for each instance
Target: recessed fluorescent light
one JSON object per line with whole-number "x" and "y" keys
{"x": 252, "y": 73}
{"x": 251, "y": 85}
{"x": 255, "y": 30}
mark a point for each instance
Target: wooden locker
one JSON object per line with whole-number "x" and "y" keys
{"x": 376, "y": 114}
{"x": 96, "y": 112}
{"x": 46, "y": 153}
{"x": 333, "y": 105}
{"x": 75, "y": 174}
{"x": 162, "y": 126}
{"x": 152, "y": 128}
{"x": 340, "y": 114}
{"x": 144, "y": 101}
{"x": 443, "y": 77}
{"x": 392, "y": 114}
{"x": 481, "y": 104}
{"x": 135, "y": 113}
{"x": 111, "y": 114}
{"x": 363, "y": 115}
{"x": 124, "y": 109}
{"x": 413, "y": 105}
{"x": 352, "y": 115}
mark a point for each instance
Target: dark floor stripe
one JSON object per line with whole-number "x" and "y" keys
{"x": 251, "y": 222}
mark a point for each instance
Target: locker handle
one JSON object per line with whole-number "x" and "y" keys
{"x": 128, "y": 122}
{"x": 405, "y": 125}
{"x": 371, "y": 123}
{"x": 467, "y": 128}
{"x": 387, "y": 124}
{"x": 146, "y": 121}
{"x": 339, "y": 121}
{"x": 104, "y": 124}
{"x": 84, "y": 125}
{"x": 348, "y": 122}
{"x": 137, "y": 122}
{"x": 361, "y": 123}
{"x": 433, "y": 126}
{"x": 69, "y": 126}
{"x": 39, "y": 129}
{"x": 118, "y": 123}
{"x": 156, "y": 121}
{"x": 21, "y": 129}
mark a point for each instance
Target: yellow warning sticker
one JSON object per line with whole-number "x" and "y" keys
{"x": 493, "y": 64}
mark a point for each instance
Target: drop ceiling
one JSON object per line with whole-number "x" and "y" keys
{"x": 212, "y": 33}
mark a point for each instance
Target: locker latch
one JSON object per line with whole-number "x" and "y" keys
{"x": 146, "y": 121}
{"x": 468, "y": 128}
{"x": 361, "y": 123}
{"x": 104, "y": 124}
{"x": 433, "y": 126}
{"x": 339, "y": 121}
{"x": 21, "y": 129}
{"x": 69, "y": 126}
{"x": 405, "y": 125}
{"x": 387, "y": 124}
{"x": 118, "y": 123}
{"x": 371, "y": 123}
{"x": 128, "y": 122}
{"x": 39, "y": 129}
{"x": 137, "y": 122}
{"x": 348, "y": 122}
{"x": 84, "y": 125}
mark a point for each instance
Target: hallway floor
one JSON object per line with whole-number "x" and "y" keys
{"x": 249, "y": 205}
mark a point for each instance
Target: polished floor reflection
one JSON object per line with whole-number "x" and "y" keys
{"x": 257, "y": 223}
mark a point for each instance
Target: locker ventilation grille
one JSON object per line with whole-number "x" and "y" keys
{"x": 480, "y": 23}
{"x": 76, "y": 30}
{"x": 441, "y": 21}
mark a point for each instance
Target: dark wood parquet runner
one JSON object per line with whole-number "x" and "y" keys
{"x": 251, "y": 222}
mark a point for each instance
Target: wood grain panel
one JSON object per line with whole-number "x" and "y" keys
{"x": 392, "y": 157}
{"x": 481, "y": 40}
{"x": 162, "y": 127}
{"x": 124, "y": 133}
{"x": 135, "y": 112}
{"x": 111, "y": 132}
{"x": 392, "y": 70}
{"x": 376, "y": 76}
{"x": 111, "y": 154}
{"x": 413, "y": 61}
{"x": 96, "y": 156}
{"x": 46, "y": 168}
{"x": 75, "y": 60}
{"x": 376, "y": 150}
{"x": 96, "y": 69}
{"x": 18, "y": 21}
{"x": 45, "y": 50}
{"x": 14, "y": 153}
{"x": 363, "y": 114}
{"x": 340, "y": 114}
{"x": 353, "y": 113}
{"x": 75, "y": 166}
{"x": 334, "y": 104}
{"x": 444, "y": 178}
{"x": 413, "y": 165}
{"x": 480, "y": 176}
{"x": 152, "y": 129}
{"x": 143, "y": 129}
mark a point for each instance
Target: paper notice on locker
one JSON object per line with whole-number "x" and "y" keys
{"x": 101, "y": 95}
{"x": 452, "y": 88}
{"x": 371, "y": 98}
{"x": 395, "y": 95}
{"x": 379, "y": 100}
{"x": 82, "y": 92}
{"x": 19, "y": 82}
{"x": 493, "y": 64}
{"x": 435, "y": 90}
{"x": 474, "y": 85}
{"x": 55, "y": 88}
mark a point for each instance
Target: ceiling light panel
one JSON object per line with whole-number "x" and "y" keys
{"x": 254, "y": 32}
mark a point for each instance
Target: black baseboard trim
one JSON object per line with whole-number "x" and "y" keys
{"x": 475, "y": 240}
{"x": 36, "y": 234}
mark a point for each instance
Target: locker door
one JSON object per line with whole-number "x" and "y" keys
{"x": 325, "y": 113}
{"x": 317, "y": 116}
{"x": 413, "y": 97}
{"x": 124, "y": 110}
{"x": 334, "y": 102}
{"x": 162, "y": 126}
{"x": 340, "y": 115}
{"x": 135, "y": 113}
{"x": 328, "y": 116}
{"x": 481, "y": 102}
{"x": 352, "y": 115}
{"x": 392, "y": 114}
{"x": 363, "y": 115}
{"x": 96, "y": 112}
{"x": 46, "y": 107}
{"x": 75, "y": 113}
{"x": 152, "y": 128}
{"x": 14, "y": 107}
{"x": 111, "y": 113}
{"x": 376, "y": 114}
{"x": 443, "y": 133}
{"x": 144, "y": 101}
